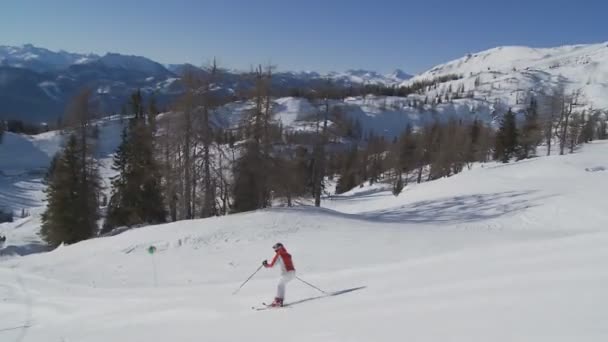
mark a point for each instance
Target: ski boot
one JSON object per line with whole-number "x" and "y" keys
{"x": 277, "y": 303}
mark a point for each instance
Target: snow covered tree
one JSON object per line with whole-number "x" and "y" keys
{"x": 506, "y": 138}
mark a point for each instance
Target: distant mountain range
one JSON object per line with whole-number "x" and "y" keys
{"x": 36, "y": 83}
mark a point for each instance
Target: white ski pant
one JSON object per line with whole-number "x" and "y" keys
{"x": 285, "y": 278}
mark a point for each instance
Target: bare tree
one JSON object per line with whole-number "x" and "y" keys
{"x": 568, "y": 105}
{"x": 185, "y": 144}
{"x": 319, "y": 160}
{"x": 575, "y": 127}
{"x": 209, "y": 103}
{"x": 550, "y": 107}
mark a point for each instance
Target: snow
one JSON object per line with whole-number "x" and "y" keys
{"x": 370, "y": 77}
{"x": 288, "y": 110}
{"x": 508, "y": 70}
{"x": 20, "y": 152}
{"x": 50, "y": 89}
{"x": 513, "y": 252}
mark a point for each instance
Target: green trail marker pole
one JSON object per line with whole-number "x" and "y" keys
{"x": 151, "y": 251}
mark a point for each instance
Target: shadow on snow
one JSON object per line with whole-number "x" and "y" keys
{"x": 458, "y": 209}
{"x": 331, "y": 294}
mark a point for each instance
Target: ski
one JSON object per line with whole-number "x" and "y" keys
{"x": 268, "y": 307}
{"x": 291, "y": 304}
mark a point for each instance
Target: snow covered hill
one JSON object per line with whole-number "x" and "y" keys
{"x": 507, "y": 72}
{"x": 513, "y": 252}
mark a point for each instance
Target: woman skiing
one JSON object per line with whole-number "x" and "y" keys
{"x": 288, "y": 272}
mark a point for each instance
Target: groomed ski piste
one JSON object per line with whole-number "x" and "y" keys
{"x": 502, "y": 252}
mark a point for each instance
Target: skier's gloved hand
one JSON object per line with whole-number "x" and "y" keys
{"x": 265, "y": 263}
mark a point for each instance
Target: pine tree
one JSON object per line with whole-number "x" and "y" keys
{"x": 349, "y": 177}
{"x": 250, "y": 188}
{"x": 472, "y": 152}
{"x": 118, "y": 210}
{"x": 252, "y": 183}
{"x": 71, "y": 215}
{"x": 588, "y": 130}
{"x": 136, "y": 190}
{"x": 398, "y": 185}
{"x": 506, "y": 138}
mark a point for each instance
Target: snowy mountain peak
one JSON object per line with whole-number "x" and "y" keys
{"x": 505, "y": 58}
{"x": 399, "y": 75}
{"x": 503, "y": 72}
{"x": 131, "y": 62}
{"x": 40, "y": 59}
{"x": 361, "y": 76}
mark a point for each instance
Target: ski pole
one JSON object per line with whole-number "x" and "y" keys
{"x": 311, "y": 285}
{"x": 245, "y": 282}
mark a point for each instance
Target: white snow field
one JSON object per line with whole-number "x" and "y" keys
{"x": 513, "y": 252}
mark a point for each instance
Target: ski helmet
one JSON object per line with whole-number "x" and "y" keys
{"x": 277, "y": 246}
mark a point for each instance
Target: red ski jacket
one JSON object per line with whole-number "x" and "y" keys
{"x": 284, "y": 259}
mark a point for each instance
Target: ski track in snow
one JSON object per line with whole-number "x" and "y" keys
{"x": 512, "y": 252}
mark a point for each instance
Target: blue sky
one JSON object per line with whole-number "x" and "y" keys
{"x": 301, "y": 35}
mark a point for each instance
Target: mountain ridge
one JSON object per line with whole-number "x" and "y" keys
{"x": 501, "y": 76}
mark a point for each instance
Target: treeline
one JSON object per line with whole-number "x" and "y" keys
{"x": 437, "y": 150}
{"x": 558, "y": 118}
{"x": 417, "y": 87}
{"x": 185, "y": 165}
{"x": 21, "y": 127}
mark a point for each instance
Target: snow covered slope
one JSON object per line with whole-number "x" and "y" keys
{"x": 503, "y": 72}
{"x": 369, "y": 77}
{"x": 512, "y": 252}
{"x": 382, "y": 115}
